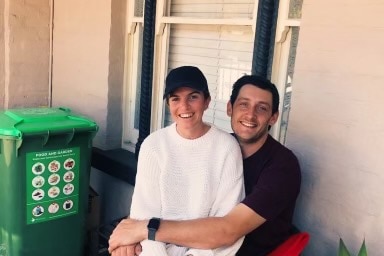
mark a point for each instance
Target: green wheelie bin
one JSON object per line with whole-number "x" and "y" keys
{"x": 45, "y": 162}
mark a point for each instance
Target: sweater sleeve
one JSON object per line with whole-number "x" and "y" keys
{"x": 146, "y": 199}
{"x": 231, "y": 180}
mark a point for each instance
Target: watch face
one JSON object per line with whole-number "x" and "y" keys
{"x": 154, "y": 223}
{"x": 153, "y": 226}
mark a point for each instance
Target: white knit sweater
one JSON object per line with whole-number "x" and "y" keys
{"x": 181, "y": 179}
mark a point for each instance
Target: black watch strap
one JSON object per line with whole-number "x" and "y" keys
{"x": 153, "y": 226}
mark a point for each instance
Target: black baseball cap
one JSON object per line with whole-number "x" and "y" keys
{"x": 185, "y": 76}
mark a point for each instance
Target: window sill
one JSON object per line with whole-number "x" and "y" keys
{"x": 118, "y": 163}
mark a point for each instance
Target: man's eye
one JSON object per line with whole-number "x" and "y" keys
{"x": 174, "y": 99}
{"x": 262, "y": 109}
{"x": 243, "y": 104}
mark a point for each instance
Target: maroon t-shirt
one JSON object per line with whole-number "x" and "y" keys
{"x": 272, "y": 183}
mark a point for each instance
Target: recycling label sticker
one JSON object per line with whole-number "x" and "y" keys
{"x": 52, "y": 184}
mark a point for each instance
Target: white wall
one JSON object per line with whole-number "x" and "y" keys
{"x": 336, "y": 124}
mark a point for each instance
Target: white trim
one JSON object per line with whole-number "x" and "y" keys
{"x": 203, "y": 21}
{"x": 164, "y": 19}
{"x": 280, "y": 58}
{"x": 279, "y": 76}
{"x": 132, "y": 20}
{"x": 161, "y": 64}
{"x": 130, "y": 134}
{"x": 194, "y": 21}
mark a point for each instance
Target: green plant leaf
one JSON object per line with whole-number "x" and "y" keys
{"x": 363, "y": 250}
{"x": 343, "y": 251}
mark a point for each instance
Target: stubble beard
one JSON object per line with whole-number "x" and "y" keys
{"x": 254, "y": 139}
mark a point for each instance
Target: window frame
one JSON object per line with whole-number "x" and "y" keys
{"x": 281, "y": 53}
{"x": 162, "y": 36}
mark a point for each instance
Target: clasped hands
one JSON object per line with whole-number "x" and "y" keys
{"x": 125, "y": 238}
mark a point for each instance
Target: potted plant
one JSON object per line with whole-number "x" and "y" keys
{"x": 343, "y": 251}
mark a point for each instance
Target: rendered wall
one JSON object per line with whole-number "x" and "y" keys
{"x": 2, "y": 56}
{"x": 336, "y": 125}
{"x": 116, "y": 74}
{"x": 88, "y": 54}
{"x": 24, "y": 54}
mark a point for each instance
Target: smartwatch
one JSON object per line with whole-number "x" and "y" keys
{"x": 153, "y": 226}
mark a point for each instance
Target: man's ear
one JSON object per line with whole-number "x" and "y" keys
{"x": 229, "y": 108}
{"x": 274, "y": 118}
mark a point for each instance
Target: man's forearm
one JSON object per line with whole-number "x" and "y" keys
{"x": 206, "y": 233}
{"x": 211, "y": 232}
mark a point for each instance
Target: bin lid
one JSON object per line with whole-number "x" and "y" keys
{"x": 30, "y": 121}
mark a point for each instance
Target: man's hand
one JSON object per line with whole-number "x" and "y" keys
{"x": 128, "y": 232}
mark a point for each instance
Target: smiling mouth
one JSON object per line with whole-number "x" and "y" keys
{"x": 248, "y": 124}
{"x": 189, "y": 115}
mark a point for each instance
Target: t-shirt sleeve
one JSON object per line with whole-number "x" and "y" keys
{"x": 277, "y": 186}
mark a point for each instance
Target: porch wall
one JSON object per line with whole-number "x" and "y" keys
{"x": 88, "y": 77}
{"x": 24, "y": 53}
{"x": 2, "y": 56}
{"x": 88, "y": 62}
{"x": 336, "y": 124}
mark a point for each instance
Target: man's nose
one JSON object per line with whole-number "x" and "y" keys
{"x": 252, "y": 112}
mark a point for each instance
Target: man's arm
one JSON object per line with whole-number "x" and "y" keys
{"x": 198, "y": 233}
{"x": 203, "y": 233}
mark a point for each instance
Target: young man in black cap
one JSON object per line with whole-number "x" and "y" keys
{"x": 272, "y": 183}
{"x": 183, "y": 172}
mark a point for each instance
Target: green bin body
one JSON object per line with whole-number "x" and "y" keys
{"x": 45, "y": 162}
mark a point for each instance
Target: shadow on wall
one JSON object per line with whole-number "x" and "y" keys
{"x": 115, "y": 196}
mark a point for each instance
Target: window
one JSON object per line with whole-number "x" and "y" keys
{"x": 218, "y": 37}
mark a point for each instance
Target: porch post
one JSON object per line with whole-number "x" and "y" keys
{"x": 147, "y": 72}
{"x": 264, "y": 37}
